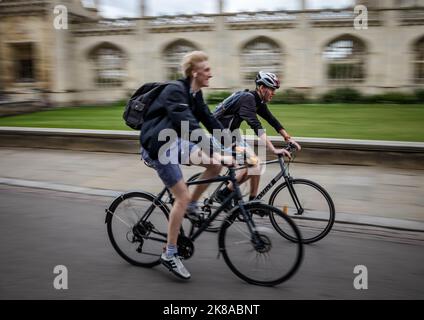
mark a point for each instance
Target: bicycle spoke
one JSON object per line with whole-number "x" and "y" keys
{"x": 269, "y": 262}
{"x": 120, "y": 219}
{"x": 318, "y": 214}
{"x": 133, "y": 240}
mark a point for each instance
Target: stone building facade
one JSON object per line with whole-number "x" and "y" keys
{"x": 100, "y": 60}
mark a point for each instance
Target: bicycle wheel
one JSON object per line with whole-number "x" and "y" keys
{"x": 316, "y": 216}
{"x": 274, "y": 262}
{"x": 138, "y": 243}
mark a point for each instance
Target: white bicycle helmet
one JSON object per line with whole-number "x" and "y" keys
{"x": 268, "y": 79}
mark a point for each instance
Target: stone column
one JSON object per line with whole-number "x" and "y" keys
{"x": 143, "y": 53}
{"x": 221, "y": 4}
{"x": 394, "y": 55}
{"x": 304, "y": 50}
{"x": 61, "y": 58}
{"x": 142, "y": 8}
{"x": 222, "y": 78}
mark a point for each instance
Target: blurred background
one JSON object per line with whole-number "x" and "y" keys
{"x": 109, "y": 48}
{"x": 350, "y": 79}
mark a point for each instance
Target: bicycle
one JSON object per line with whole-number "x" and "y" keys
{"x": 137, "y": 224}
{"x": 305, "y": 201}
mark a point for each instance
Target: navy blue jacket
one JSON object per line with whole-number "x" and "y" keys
{"x": 174, "y": 105}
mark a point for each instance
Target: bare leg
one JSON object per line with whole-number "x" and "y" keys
{"x": 212, "y": 170}
{"x": 254, "y": 185}
{"x": 253, "y": 173}
{"x": 182, "y": 199}
{"x": 241, "y": 177}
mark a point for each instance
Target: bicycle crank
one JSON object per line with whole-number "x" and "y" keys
{"x": 185, "y": 247}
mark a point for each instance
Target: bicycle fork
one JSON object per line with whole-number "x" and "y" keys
{"x": 289, "y": 182}
{"x": 293, "y": 194}
{"x": 258, "y": 242}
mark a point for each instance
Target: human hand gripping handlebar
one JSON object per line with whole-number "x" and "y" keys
{"x": 291, "y": 147}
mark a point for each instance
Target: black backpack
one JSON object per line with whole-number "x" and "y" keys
{"x": 139, "y": 103}
{"x": 223, "y": 109}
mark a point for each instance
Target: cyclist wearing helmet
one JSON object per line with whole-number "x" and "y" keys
{"x": 248, "y": 106}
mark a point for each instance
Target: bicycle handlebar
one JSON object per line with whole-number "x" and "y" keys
{"x": 291, "y": 147}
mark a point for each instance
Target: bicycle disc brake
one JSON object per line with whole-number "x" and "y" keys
{"x": 263, "y": 245}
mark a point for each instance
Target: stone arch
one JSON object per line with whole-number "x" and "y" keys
{"x": 172, "y": 54}
{"x": 106, "y": 45}
{"x": 261, "y": 39}
{"x": 345, "y": 59}
{"x": 417, "y": 50}
{"x": 108, "y": 62}
{"x": 260, "y": 53}
{"x": 349, "y": 36}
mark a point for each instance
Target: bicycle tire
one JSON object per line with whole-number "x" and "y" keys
{"x": 319, "y": 212}
{"x": 126, "y": 245}
{"x": 267, "y": 267}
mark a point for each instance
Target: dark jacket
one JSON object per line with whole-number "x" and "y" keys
{"x": 174, "y": 105}
{"x": 246, "y": 109}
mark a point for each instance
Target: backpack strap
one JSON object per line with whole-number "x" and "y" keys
{"x": 222, "y": 109}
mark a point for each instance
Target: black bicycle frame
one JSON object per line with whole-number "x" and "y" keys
{"x": 283, "y": 173}
{"x": 236, "y": 194}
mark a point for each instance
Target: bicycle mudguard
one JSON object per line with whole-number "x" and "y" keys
{"x": 109, "y": 211}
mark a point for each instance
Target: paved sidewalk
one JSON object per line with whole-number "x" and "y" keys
{"x": 362, "y": 194}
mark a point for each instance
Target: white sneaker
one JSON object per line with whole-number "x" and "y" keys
{"x": 175, "y": 265}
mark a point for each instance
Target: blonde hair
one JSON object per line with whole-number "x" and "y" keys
{"x": 190, "y": 60}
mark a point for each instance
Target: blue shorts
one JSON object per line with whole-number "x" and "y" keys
{"x": 168, "y": 163}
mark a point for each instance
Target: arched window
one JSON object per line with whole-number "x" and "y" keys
{"x": 260, "y": 54}
{"x": 24, "y": 62}
{"x": 419, "y": 61}
{"x": 345, "y": 57}
{"x": 173, "y": 55}
{"x": 109, "y": 65}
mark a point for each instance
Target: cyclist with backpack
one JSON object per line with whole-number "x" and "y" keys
{"x": 180, "y": 101}
{"x": 245, "y": 106}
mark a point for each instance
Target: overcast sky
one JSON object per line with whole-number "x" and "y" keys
{"x": 130, "y": 8}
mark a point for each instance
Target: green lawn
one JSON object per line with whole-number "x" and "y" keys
{"x": 351, "y": 121}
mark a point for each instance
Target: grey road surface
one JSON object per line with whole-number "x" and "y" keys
{"x": 41, "y": 229}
